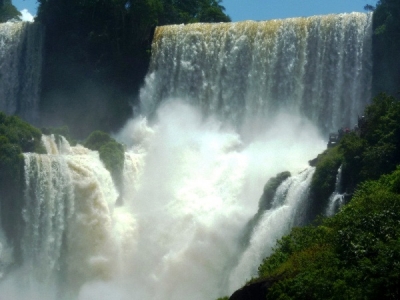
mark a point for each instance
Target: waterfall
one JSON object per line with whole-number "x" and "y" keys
{"x": 20, "y": 68}
{"x": 225, "y": 107}
{"x": 318, "y": 67}
{"x": 71, "y": 226}
{"x": 274, "y": 223}
{"x": 336, "y": 200}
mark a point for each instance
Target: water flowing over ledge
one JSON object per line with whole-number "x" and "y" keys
{"x": 21, "y": 47}
{"x": 319, "y": 67}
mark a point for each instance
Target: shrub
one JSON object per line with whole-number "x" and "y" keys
{"x": 111, "y": 153}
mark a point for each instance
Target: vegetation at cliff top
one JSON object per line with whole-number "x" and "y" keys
{"x": 8, "y": 11}
{"x": 16, "y": 136}
{"x": 111, "y": 153}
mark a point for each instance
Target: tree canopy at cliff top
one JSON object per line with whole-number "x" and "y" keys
{"x": 8, "y": 11}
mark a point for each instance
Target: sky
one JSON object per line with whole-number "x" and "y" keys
{"x": 240, "y": 10}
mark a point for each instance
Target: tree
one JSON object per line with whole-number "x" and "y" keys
{"x": 16, "y": 136}
{"x": 8, "y": 11}
{"x": 369, "y": 7}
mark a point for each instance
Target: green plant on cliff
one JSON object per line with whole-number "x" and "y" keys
{"x": 16, "y": 137}
{"x": 110, "y": 151}
{"x": 363, "y": 155}
{"x": 270, "y": 188}
{"x": 8, "y": 11}
{"x": 324, "y": 178}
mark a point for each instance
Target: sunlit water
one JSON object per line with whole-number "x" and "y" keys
{"x": 228, "y": 106}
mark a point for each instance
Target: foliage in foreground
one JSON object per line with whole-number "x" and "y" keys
{"x": 356, "y": 253}
{"x": 363, "y": 155}
{"x": 353, "y": 255}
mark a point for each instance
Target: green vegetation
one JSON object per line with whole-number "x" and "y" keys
{"x": 16, "y": 136}
{"x": 365, "y": 155}
{"x": 270, "y": 189}
{"x": 8, "y": 11}
{"x": 98, "y": 52}
{"x": 324, "y": 178}
{"x": 386, "y": 47}
{"x": 111, "y": 153}
{"x": 20, "y": 133}
{"x": 356, "y": 253}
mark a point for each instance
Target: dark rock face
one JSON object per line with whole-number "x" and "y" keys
{"x": 254, "y": 291}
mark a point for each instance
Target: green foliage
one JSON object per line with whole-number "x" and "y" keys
{"x": 375, "y": 151}
{"x": 191, "y": 11}
{"x": 97, "y": 139}
{"x": 16, "y": 136}
{"x": 386, "y": 47}
{"x": 364, "y": 155}
{"x": 270, "y": 189}
{"x": 20, "y": 133}
{"x": 288, "y": 256}
{"x": 111, "y": 153}
{"x": 324, "y": 178}
{"x": 352, "y": 146}
{"x": 8, "y": 11}
{"x": 356, "y": 253}
{"x": 10, "y": 162}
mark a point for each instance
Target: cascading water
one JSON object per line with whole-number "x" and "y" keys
{"x": 285, "y": 212}
{"x": 336, "y": 200}
{"x": 318, "y": 67}
{"x": 20, "y": 68}
{"x": 69, "y": 231}
{"x": 229, "y": 106}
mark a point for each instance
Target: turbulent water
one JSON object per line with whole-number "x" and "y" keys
{"x": 20, "y": 68}
{"x": 225, "y": 107}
